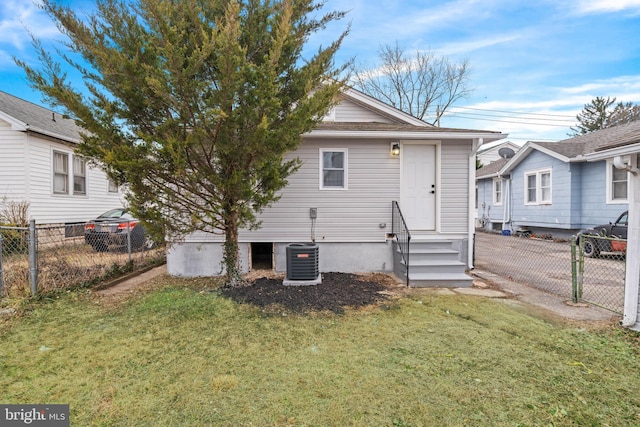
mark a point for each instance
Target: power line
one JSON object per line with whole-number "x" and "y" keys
{"x": 510, "y": 117}
{"x": 515, "y": 112}
{"x": 471, "y": 117}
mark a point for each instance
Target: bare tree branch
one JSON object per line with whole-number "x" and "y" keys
{"x": 423, "y": 85}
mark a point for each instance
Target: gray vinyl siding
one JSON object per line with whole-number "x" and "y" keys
{"x": 348, "y": 111}
{"x": 454, "y": 186}
{"x": 356, "y": 214}
{"x": 362, "y": 213}
{"x": 352, "y": 215}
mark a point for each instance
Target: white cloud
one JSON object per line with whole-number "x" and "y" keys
{"x": 476, "y": 44}
{"x": 20, "y": 18}
{"x": 449, "y": 12}
{"x": 607, "y": 6}
{"x": 624, "y": 88}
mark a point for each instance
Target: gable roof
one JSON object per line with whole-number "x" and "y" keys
{"x": 617, "y": 136}
{"x": 404, "y": 125}
{"x": 491, "y": 170}
{"x": 25, "y": 116}
{"x": 374, "y": 104}
{"x": 506, "y": 144}
{"x": 581, "y": 147}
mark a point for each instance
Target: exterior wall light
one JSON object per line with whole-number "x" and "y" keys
{"x": 395, "y": 149}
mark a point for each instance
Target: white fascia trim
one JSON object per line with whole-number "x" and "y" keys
{"x": 54, "y": 135}
{"x": 403, "y": 135}
{"x": 15, "y": 124}
{"x": 620, "y": 151}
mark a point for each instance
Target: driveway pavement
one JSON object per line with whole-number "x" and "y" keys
{"x": 545, "y": 303}
{"x": 546, "y": 265}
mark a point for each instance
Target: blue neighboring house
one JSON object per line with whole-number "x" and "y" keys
{"x": 556, "y": 187}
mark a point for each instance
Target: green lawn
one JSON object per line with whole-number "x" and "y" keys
{"x": 177, "y": 356}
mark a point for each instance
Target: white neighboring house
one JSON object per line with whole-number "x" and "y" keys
{"x": 491, "y": 154}
{"x": 342, "y": 199}
{"x": 38, "y": 166}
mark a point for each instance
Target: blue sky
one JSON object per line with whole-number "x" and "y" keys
{"x": 533, "y": 64}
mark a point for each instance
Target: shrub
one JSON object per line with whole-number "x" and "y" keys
{"x": 14, "y": 213}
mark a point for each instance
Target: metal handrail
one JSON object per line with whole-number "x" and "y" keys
{"x": 401, "y": 234}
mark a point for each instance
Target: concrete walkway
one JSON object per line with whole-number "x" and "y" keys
{"x": 532, "y": 296}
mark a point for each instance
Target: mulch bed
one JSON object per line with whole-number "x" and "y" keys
{"x": 336, "y": 292}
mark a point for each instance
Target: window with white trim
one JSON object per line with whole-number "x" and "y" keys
{"x": 497, "y": 191}
{"x": 79, "y": 177}
{"x": 334, "y": 169}
{"x": 537, "y": 187}
{"x": 69, "y": 174}
{"x": 60, "y": 173}
{"x": 112, "y": 187}
{"x": 617, "y": 184}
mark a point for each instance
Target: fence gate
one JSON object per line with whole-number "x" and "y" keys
{"x": 598, "y": 271}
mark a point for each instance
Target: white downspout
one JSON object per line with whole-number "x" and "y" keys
{"x": 632, "y": 275}
{"x": 506, "y": 213}
{"x": 476, "y": 144}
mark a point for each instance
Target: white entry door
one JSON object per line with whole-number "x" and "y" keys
{"x": 418, "y": 193}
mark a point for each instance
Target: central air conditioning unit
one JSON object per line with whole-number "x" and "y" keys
{"x": 302, "y": 262}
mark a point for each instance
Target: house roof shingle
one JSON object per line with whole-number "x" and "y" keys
{"x": 491, "y": 169}
{"x": 39, "y": 119}
{"x": 603, "y": 139}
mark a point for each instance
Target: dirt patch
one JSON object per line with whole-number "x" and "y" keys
{"x": 337, "y": 292}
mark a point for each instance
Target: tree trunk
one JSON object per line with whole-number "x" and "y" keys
{"x": 231, "y": 252}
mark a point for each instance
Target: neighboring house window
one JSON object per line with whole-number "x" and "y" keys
{"x": 538, "y": 187}
{"x": 112, "y": 187}
{"x": 497, "y": 191}
{"x": 333, "y": 173}
{"x": 60, "y": 173}
{"x": 616, "y": 184}
{"x": 79, "y": 176}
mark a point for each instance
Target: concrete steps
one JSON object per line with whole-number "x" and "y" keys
{"x": 432, "y": 263}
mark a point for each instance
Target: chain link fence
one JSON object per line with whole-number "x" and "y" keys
{"x": 551, "y": 265}
{"x": 44, "y": 259}
{"x": 600, "y": 271}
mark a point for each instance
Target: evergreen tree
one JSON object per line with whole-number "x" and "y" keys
{"x": 593, "y": 116}
{"x": 193, "y": 103}
{"x": 623, "y": 113}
